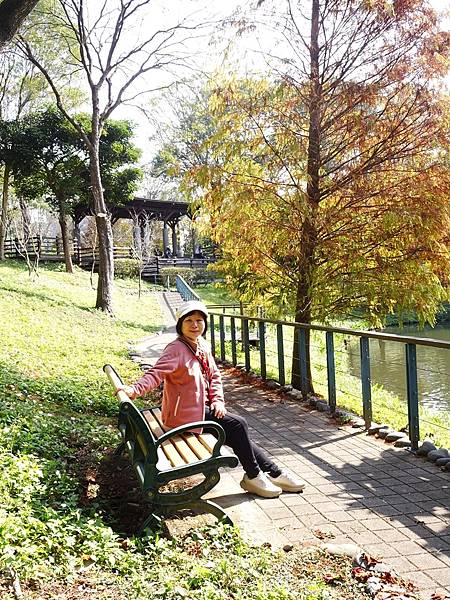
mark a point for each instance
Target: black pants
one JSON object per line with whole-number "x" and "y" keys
{"x": 252, "y": 458}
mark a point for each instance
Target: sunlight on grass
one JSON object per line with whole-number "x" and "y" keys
{"x": 215, "y": 294}
{"x": 54, "y": 331}
{"x": 56, "y": 428}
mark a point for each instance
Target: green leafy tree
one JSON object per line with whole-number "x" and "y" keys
{"x": 118, "y": 157}
{"x": 9, "y": 157}
{"x": 181, "y": 132}
{"x": 20, "y": 88}
{"x": 54, "y": 165}
{"x": 181, "y": 139}
{"x": 23, "y": 89}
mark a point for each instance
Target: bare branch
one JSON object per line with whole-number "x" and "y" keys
{"x": 27, "y": 51}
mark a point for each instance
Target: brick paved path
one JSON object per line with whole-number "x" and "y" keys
{"x": 360, "y": 489}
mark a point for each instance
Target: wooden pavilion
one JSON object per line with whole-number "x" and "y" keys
{"x": 141, "y": 211}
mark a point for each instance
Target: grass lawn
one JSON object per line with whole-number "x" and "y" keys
{"x": 68, "y": 507}
{"x": 215, "y": 294}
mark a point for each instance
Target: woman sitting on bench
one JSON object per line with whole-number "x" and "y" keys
{"x": 193, "y": 392}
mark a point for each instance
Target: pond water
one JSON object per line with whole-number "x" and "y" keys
{"x": 387, "y": 365}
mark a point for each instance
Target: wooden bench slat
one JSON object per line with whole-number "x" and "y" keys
{"x": 196, "y": 446}
{"x": 191, "y": 439}
{"x": 208, "y": 440}
{"x": 178, "y": 442}
{"x": 186, "y": 450}
{"x": 170, "y": 451}
{"x": 201, "y": 444}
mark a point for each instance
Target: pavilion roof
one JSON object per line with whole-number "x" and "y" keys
{"x": 155, "y": 210}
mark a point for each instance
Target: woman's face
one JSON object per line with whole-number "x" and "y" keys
{"x": 193, "y": 326}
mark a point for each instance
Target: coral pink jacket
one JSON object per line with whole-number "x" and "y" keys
{"x": 185, "y": 388}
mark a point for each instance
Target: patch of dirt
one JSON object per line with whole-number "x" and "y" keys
{"x": 113, "y": 485}
{"x": 84, "y": 587}
{"x": 301, "y": 565}
{"x": 184, "y": 522}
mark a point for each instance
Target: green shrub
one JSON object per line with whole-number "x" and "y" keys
{"x": 169, "y": 275}
{"x": 127, "y": 268}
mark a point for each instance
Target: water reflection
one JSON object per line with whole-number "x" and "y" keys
{"x": 387, "y": 365}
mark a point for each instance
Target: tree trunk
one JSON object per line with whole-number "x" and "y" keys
{"x": 104, "y": 232}
{"x": 12, "y": 14}
{"x": 314, "y": 109}
{"x": 308, "y": 240}
{"x": 64, "y": 225}
{"x": 137, "y": 236}
{"x": 302, "y": 315}
{"x": 26, "y": 226}
{"x": 106, "y": 263}
{"x": 4, "y": 214}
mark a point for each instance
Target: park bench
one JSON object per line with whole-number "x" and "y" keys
{"x": 160, "y": 456}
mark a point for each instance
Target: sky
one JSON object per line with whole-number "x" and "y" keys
{"x": 206, "y": 51}
{"x": 208, "y": 48}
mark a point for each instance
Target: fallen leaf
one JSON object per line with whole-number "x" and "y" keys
{"x": 367, "y": 561}
{"x": 360, "y": 574}
{"x": 322, "y": 535}
{"x": 388, "y": 577}
{"x": 332, "y": 578}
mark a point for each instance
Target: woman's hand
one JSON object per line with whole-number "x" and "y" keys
{"x": 129, "y": 391}
{"x": 218, "y": 408}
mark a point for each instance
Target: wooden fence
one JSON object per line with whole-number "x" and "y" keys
{"x": 44, "y": 248}
{"x": 48, "y": 249}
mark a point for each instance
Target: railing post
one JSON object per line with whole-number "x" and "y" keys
{"x": 262, "y": 348}
{"x": 280, "y": 346}
{"x": 302, "y": 350}
{"x": 212, "y": 336}
{"x": 233, "y": 341}
{"x": 222, "y": 336}
{"x": 331, "y": 371}
{"x": 413, "y": 395}
{"x": 365, "y": 381}
{"x": 245, "y": 343}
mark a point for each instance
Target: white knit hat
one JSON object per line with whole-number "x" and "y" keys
{"x": 191, "y": 306}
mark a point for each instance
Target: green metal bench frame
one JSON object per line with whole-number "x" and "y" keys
{"x": 145, "y": 453}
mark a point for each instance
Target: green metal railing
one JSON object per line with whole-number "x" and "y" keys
{"x": 229, "y": 332}
{"x": 185, "y": 290}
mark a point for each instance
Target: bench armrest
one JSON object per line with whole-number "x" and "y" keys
{"x": 196, "y": 425}
{"x": 116, "y": 382}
